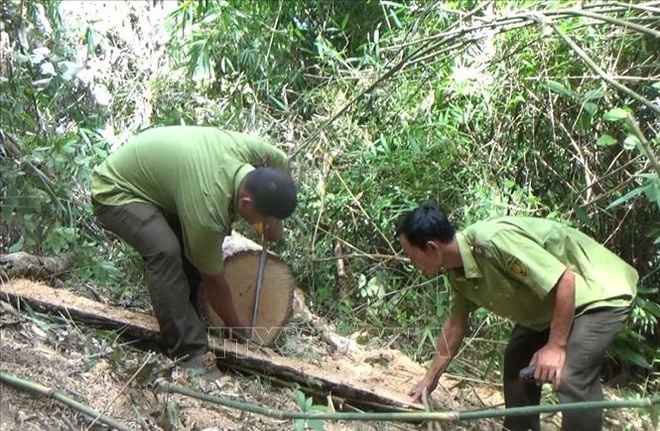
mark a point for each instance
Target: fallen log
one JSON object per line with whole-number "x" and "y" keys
{"x": 364, "y": 384}
{"x": 25, "y": 265}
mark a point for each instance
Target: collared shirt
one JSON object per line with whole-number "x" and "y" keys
{"x": 511, "y": 264}
{"x": 193, "y": 172}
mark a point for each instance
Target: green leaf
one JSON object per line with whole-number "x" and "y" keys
{"x": 590, "y": 107}
{"x": 625, "y": 198}
{"x": 605, "y": 141}
{"x": 21, "y": 58}
{"x": 315, "y": 424}
{"x": 18, "y": 246}
{"x": 594, "y": 94}
{"x": 68, "y": 69}
{"x": 300, "y": 425}
{"x": 631, "y": 142}
{"x": 635, "y": 358}
{"x": 656, "y": 85}
{"x": 300, "y": 398}
{"x": 322, "y": 408}
{"x": 556, "y": 87}
{"x": 615, "y": 114}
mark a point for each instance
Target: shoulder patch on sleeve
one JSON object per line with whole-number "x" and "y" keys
{"x": 518, "y": 269}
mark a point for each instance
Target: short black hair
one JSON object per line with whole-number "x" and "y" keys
{"x": 273, "y": 192}
{"x": 425, "y": 223}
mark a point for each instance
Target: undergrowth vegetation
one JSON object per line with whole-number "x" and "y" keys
{"x": 537, "y": 108}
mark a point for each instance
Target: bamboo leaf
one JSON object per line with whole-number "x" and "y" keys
{"x": 634, "y": 358}
{"x": 559, "y": 88}
{"x": 625, "y": 198}
{"x": 594, "y": 94}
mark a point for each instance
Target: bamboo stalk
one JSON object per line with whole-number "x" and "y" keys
{"x": 645, "y": 143}
{"x": 617, "y": 21}
{"x": 542, "y": 19}
{"x": 414, "y": 416}
{"x": 37, "y": 388}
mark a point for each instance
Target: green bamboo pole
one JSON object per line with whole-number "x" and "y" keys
{"x": 30, "y": 386}
{"x": 617, "y": 21}
{"x": 413, "y": 416}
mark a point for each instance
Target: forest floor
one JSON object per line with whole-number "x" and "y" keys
{"x": 115, "y": 376}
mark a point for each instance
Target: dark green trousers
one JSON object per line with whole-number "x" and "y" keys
{"x": 592, "y": 332}
{"x": 173, "y": 282}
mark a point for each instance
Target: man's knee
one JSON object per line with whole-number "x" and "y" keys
{"x": 165, "y": 253}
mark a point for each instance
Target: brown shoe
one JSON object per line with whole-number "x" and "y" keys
{"x": 203, "y": 366}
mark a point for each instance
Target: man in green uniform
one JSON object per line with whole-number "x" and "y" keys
{"x": 567, "y": 294}
{"x": 172, "y": 193}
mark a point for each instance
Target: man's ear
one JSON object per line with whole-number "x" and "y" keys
{"x": 431, "y": 245}
{"x": 244, "y": 201}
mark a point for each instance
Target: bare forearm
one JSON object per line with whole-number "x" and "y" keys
{"x": 563, "y": 309}
{"x": 218, "y": 294}
{"x": 449, "y": 341}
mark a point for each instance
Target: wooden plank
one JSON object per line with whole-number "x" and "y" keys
{"x": 356, "y": 384}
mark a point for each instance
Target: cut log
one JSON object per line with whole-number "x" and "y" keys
{"x": 21, "y": 265}
{"x": 241, "y": 257}
{"x": 363, "y": 384}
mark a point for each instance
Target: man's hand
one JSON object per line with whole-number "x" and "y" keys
{"x": 425, "y": 385}
{"x": 273, "y": 229}
{"x": 217, "y": 293}
{"x": 549, "y": 362}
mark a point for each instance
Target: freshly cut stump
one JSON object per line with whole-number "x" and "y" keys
{"x": 241, "y": 264}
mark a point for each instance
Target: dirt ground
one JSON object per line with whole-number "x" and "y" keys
{"x": 107, "y": 373}
{"x": 95, "y": 369}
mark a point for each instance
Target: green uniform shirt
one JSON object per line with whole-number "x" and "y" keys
{"x": 193, "y": 172}
{"x": 510, "y": 265}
